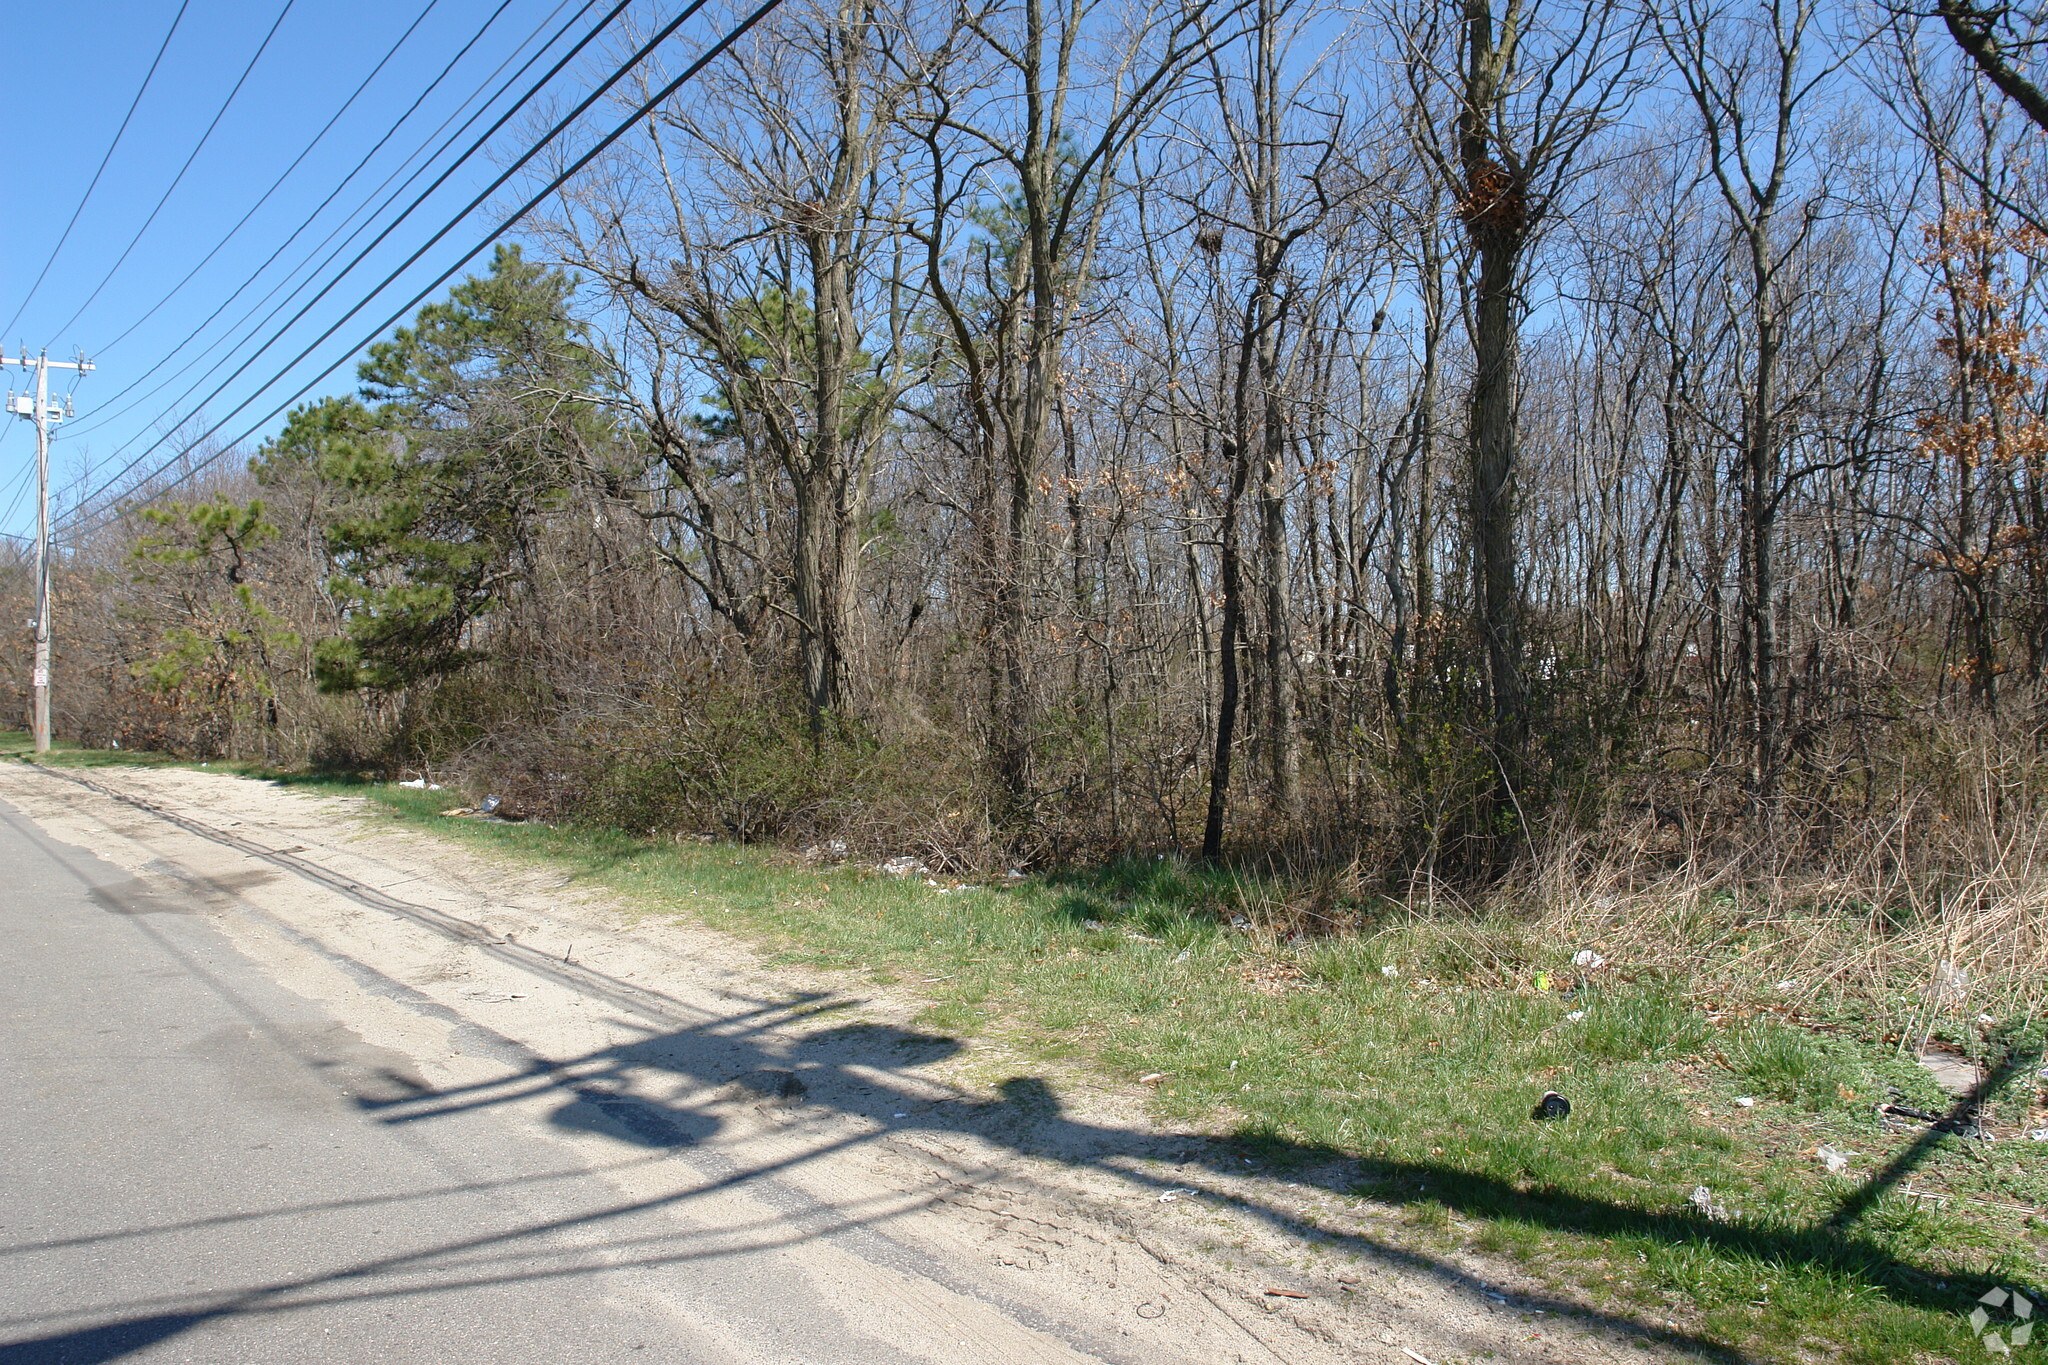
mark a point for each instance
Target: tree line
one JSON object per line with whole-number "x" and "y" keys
{"x": 1396, "y": 436}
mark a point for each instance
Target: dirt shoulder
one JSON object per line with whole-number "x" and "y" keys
{"x": 958, "y": 1188}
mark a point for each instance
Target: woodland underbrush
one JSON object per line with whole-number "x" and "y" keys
{"x": 1897, "y": 872}
{"x": 1899, "y": 888}
{"x": 1896, "y": 885}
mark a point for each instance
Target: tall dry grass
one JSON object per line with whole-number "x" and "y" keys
{"x": 1924, "y": 906}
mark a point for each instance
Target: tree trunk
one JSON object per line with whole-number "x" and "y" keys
{"x": 1496, "y": 213}
{"x": 1759, "y": 569}
{"x": 1494, "y": 447}
{"x": 1230, "y": 684}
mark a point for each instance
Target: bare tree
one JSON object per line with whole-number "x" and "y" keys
{"x": 1060, "y": 97}
{"x": 754, "y": 247}
{"x": 1528, "y": 84}
{"x": 1754, "y": 82}
{"x": 2001, "y": 40}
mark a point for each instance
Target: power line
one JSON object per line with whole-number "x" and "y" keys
{"x": 278, "y": 183}
{"x": 480, "y": 141}
{"x": 179, "y": 178}
{"x": 562, "y": 178}
{"x": 21, "y": 487}
{"x": 567, "y": 120}
{"x": 108, "y": 415}
{"x": 421, "y": 198}
{"x": 133, "y": 105}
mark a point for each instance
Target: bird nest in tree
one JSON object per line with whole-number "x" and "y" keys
{"x": 1496, "y": 203}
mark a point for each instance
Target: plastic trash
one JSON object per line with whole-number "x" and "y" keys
{"x": 1951, "y": 983}
{"x": 1710, "y": 1208}
{"x": 1835, "y": 1159}
{"x": 489, "y": 805}
{"x": 1587, "y": 958}
{"x": 904, "y": 866}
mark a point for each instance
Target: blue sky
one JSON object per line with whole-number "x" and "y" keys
{"x": 73, "y": 75}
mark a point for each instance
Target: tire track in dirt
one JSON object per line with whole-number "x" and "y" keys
{"x": 1050, "y": 1248}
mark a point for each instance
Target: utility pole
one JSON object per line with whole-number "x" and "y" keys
{"x": 45, "y": 414}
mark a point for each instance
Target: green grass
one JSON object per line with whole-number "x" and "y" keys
{"x": 1387, "y": 1068}
{"x": 65, "y": 754}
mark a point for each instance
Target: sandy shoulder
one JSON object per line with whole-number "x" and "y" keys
{"x": 928, "y": 1187}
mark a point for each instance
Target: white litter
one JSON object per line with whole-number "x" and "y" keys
{"x": 1576, "y": 1015}
{"x": 1390, "y": 970}
{"x": 420, "y": 784}
{"x": 1746, "y": 1102}
{"x": 1587, "y": 958}
{"x": 904, "y": 866}
{"x": 1834, "y": 1159}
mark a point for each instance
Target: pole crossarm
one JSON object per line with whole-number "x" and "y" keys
{"x": 38, "y": 408}
{"x": 24, "y": 358}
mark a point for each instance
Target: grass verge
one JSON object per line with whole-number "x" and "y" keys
{"x": 1398, "y": 1070}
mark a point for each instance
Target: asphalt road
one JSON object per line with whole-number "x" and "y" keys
{"x": 188, "y": 1173}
